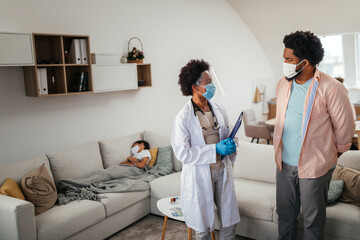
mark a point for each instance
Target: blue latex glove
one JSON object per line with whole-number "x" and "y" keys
{"x": 226, "y": 147}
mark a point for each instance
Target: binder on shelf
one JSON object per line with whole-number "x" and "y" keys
{"x": 42, "y": 81}
{"x": 75, "y": 51}
{"x": 38, "y": 80}
{"x": 84, "y": 53}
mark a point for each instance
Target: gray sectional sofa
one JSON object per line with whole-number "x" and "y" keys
{"x": 79, "y": 219}
{"x": 254, "y": 173}
{"x": 255, "y": 188}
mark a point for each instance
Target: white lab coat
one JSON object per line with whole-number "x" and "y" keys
{"x": 197, "y": 198}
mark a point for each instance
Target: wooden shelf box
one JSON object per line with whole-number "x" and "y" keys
{"x": 144, "y": 74}
{"x": 61, "y": 74}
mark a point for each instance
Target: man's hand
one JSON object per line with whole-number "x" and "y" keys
{"x": 132, "y": 159}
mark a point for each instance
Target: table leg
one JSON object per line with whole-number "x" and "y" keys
{"x": 189, "y": 233}
{"x": 164, "y": 228}
{"x": 213, "y": 235}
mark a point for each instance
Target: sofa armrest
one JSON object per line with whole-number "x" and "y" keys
{"x": 17, "y": 219}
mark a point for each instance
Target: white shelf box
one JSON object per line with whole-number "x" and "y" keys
{"x": 16, "y": 49}
{"x": 108, "y": 78}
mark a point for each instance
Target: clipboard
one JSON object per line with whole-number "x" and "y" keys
{"x": 237, "y": 126}
{"x": 235, "y": 129}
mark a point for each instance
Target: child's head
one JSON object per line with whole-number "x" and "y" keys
{"x": 141, "y": 144}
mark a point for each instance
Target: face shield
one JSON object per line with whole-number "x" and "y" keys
{"x": 209, "y": 77}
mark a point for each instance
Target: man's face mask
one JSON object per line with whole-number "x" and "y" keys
{"x": 135, "y": 149}
{"x": 290, "y": 70}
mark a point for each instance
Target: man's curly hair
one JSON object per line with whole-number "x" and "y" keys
{"x": 190, "y": 73}
{"x": 305, "y": 46}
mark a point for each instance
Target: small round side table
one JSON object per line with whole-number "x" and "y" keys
{"x": 167, "y": 208}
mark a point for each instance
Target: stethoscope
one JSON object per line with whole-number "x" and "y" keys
{"x": 216, "y": 125}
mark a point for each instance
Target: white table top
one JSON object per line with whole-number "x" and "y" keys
{"x": 270, "y": 122}
{"x": 167, "y": 208}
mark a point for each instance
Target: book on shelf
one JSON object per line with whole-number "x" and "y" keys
{"x": 85, "y": 82}
{"x": 80, "y": 82}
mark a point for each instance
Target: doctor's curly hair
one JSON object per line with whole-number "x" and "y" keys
{"x": 190, "y": 73}
{"x": 305, "y": 45}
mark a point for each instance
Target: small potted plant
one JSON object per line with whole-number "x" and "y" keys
{"x": 135, "y": 56}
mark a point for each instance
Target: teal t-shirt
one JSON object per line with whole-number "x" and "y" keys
{"x": 291, "y": 136}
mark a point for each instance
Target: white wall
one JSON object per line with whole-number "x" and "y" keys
{"x": 172, "y": 32}
{"x": 270, "y": 21}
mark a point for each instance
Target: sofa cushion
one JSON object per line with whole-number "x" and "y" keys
{"x": 255, "y": 162}
{"x": 350, "y": 159}
{"x": 164, "y": 159}
{"x": 169, "y": 185}
{"x": 12, "y": 189}
{"x": 18, "y": 170}
{"x": 255, "y": 199}
{"x": 115, "y": 202}
{"x": 76, "y": 162}
{"x": 153, "y": 152}
{"x": 335, "y": 190}
{"x": 158, "y": 140}
{"x": 351, "y": 178}
{"x": 39, "y": 189}
{"x": 60, "y": 222}
{"x": 115, "y": 151}
{"x": 343, "y": 221}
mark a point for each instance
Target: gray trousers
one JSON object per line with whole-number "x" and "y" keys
{"x": 310, "y": 193}
{"x": 228, "y": 233}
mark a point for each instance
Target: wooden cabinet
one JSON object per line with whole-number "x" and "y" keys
{"x": 144, "y": 74}
{"x": 109, "y": 78}
{"x": 63, "y": 77}
{"x": 16, "y": 49}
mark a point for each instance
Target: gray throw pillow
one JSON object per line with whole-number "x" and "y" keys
{"x": 164, "y": 159}
{"x": 335, "y": 190}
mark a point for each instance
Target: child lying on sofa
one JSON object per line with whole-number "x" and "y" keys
{"x": 141, "y": 154}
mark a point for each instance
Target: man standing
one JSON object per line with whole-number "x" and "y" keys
{"x": 314, "y": 125}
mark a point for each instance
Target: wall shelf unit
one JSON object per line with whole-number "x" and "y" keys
{"x": 62, "y": 76}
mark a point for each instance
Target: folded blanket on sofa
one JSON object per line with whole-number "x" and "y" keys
{"x": 114, "y": 179}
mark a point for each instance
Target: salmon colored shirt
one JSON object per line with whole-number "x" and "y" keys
{"x": 327, "y": 125}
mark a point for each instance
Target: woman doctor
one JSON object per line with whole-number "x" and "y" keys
{"x": 199, "y": 139}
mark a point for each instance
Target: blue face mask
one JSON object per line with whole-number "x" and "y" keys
{"x": 210, "y": 91}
